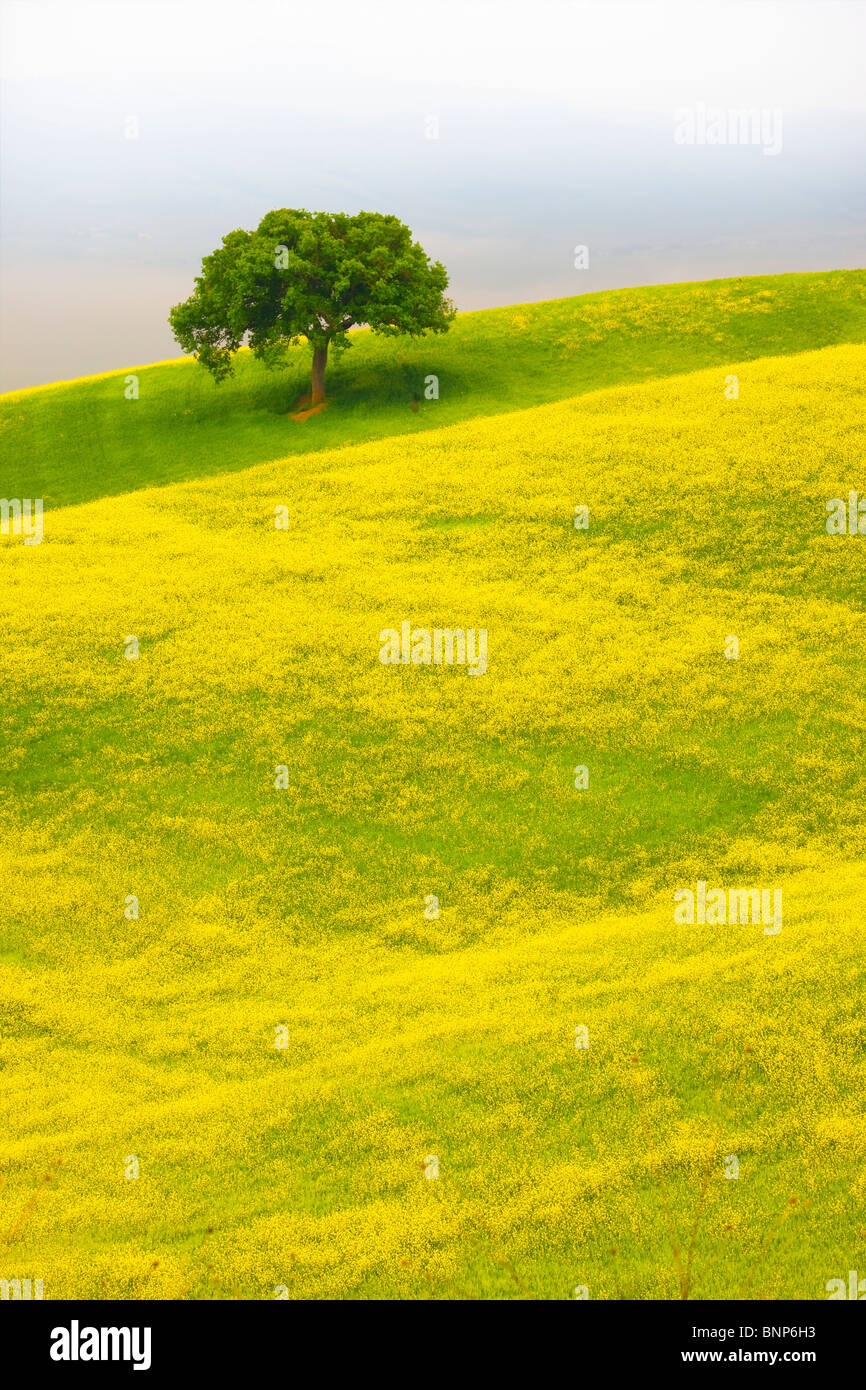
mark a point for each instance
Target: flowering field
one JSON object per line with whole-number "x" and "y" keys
{"x": 80, "y": 440}
{"x": 240, "y": 990}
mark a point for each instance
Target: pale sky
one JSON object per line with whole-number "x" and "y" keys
{"x": 639, "y": 54}
{"x": 554, "y": 128}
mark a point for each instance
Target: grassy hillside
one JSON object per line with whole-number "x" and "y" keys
{"x": 411, "y": 1038}
{"x": 81, "y": 440}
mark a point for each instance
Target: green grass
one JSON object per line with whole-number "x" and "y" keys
{"x": 77, "y": 441}
{"x": 305, "y": 907}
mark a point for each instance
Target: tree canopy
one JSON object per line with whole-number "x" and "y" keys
{"x": 310, "y": 275}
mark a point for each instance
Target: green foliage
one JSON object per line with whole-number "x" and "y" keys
{"x": 314, "y": 276}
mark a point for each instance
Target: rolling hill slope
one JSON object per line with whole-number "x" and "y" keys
{"x": 411, "y": 1037}
{"x": 80, "y": 440}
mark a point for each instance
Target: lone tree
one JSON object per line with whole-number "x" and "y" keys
{"x": 310, "y": 275}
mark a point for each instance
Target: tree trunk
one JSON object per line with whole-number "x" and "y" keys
{"x": 320, "y": 358}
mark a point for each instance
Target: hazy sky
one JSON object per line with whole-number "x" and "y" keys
{"x": 137, "y": 133}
